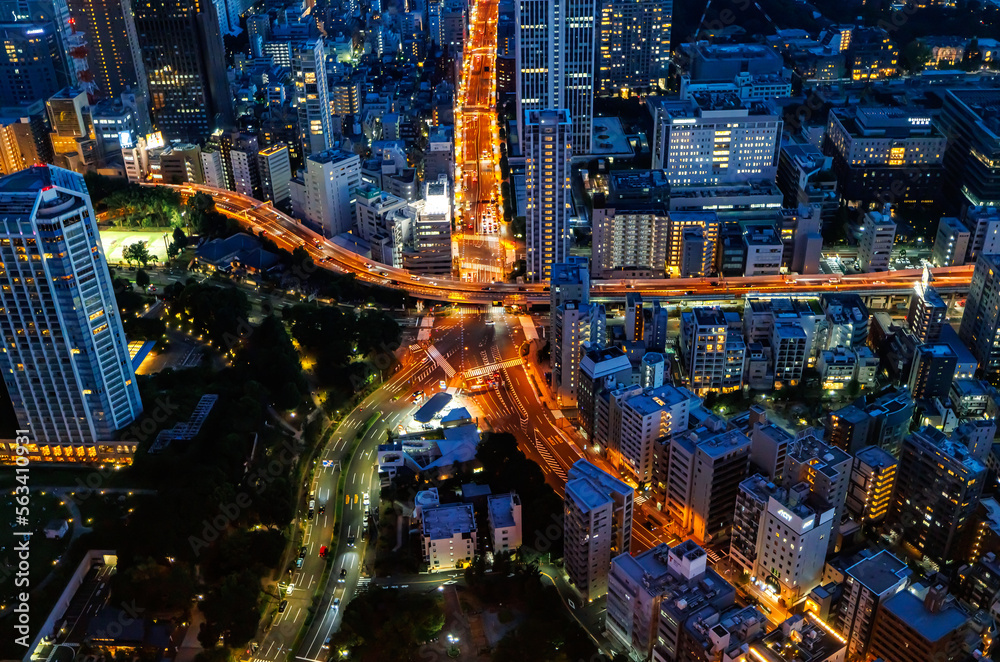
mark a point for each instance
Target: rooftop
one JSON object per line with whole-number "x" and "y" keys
{"x": 446, "y": 520}
{"x": 659, "y": 398}
{"x": 908, "y": 606}
{"x": 879, "y": 573}
{"x": 875, "y": 457}
{"x": 798, "y": 640}
{"x": 599, "y": 479}
{"x": 501, "y": 509}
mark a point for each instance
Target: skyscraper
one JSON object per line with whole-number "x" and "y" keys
{"x": 185, "y": 62}
{"x": 65, "y": 363}
{"x": 31, "y": 65}
{"x": 311, "y": 97}
{"x": 927, "y": 312}
{"x": 633, "y": 45}
{"x": 980, "y": 329}
{"x": 555, "y": 63}
{"x": 330, "y": 179}
{"x": 113, "y": 54}
{"x": 547, "y": 153}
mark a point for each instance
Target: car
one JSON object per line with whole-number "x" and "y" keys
{"x": 322, "y": 552}
{"x": 282, "y": 606}
{"x": 302, "y": 552}
{"x": 490, "y": 323}
{"x": 350, "y": 541}
{"x": 312, "y": 503}
{"x": 322, "y": 508}
{"x": 414, "y": 277}
{"x": 298, "y": 563}
{"x": 336, "y": 604}
{"x": 443, "y": 384}
{"x": 343, "y": 574}
{"x": 367, "y": 499}
{"x": 326, "y": 644}
{"x": 368, "y": 265}
{"x": 152, "y": 288}
{"x": 311, "y": 513}
{"x": 384, "y": 274}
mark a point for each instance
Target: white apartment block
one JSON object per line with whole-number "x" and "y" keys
{"x": 792, "y": 545}
{"x": 330, "y": 180}
{"x": 875, "y": 244}
{"x": 984, "y": 231}
{"x": 554, "y": 62}
{"x": 373, "y": 208}
{"x": 311, "y": 96}
{"x": 574, "y": 324}
{"x": 597, "y": 526}
{"x": 65, "y": 361}
{"x": 211, "y": 169}
{"x": 505, "y": 521}
{"x": 244, "y": 165}
{"x": 648, "y": 415}
{"x": 713, "y": 352}
{"x": 547, "y": 153}
{"x": 951, "y": 244}
{"x": 715, "y": 139}
{"x": 448, "y": 535}
{"x": 789, "y": 345}
{"x": 432, "y": 251}
{"x": 274, "y": 164}
{"x": 630, "y": 243}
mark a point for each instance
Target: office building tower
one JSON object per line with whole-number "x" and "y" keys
{"x": 919, "y": 623}
{"x": 238, "y": 156}
{"x": 330, "y": 180}
{"x": 867, "y": 584}
{"x": 984, "y": 231}
{"x": 875, "y": 244}
{"x": 967, "y": 120}
{"x": 66, "y": 365}
{"x": 750, "y": 71}
{"x": 630, "y": 225}
{"x": 878, "y": 148}
{"x": 574, "y": 325}
{"x": 951, "y": 244}
{"x": 873, "y": 478}
{"x": 933, "y": 372}
{"x": 826, "y": 469}
{"x": 24, "y": 139}
{"x": 569, "y": 281}
{"x": 274, "y": 165}
{"x": 633, "y": 49}
{"x": 555, "y": 64}
{"x": 431, "y": 254}
{"x": 713, "y": 352}
{"x": 601, "y": 369}
{"x": 930, "y": 465}
{"x": 715, "y": 139}
{"x": 705, "y": 467}
{"x": 114, "y": 56}
{"x": 643, "y": 416}
{"x": 685, "y": 256}
{"x": 311, "y": 96}
{"x": 31, "y": 65}
{"x": 652, "y": 369}
{"x": 980, "y": 328}
{"x": 185, "y": 63}
{"x": 74, "y": 143}
{"x": 792, "y": 542}
{"x": 597, "y": 526}
{"x": 927, "y": 312}
{"x": 976, "y": 435}
{"x": 763, "y": 249}
{"x": 652, "y": 595}
{"x": 634, "y": 319}
{"x": 799, "y": 639}
{"x": 547, "y": 153}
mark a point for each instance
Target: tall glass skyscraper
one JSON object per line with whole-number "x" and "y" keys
{"x": 65, "y": 361}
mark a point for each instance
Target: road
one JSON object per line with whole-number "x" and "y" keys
{"x": 312, "y": 588}
{"x": 477, "y": 150}
{"x": 289, "y": 234}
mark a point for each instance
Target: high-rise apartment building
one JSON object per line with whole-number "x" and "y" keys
{"x": 330, "y": 180}
{"x": 875, "y": 244}
{"x": 597, "y": 526}
{"x": 715, "y": 139}
{"x": 555, "y": 64}
{"x": 933, "y": 371}
{"x": 311, "y": 96}
{"x": 980, "y": 329}
{"x": 114, "y": 56}
{"x": 751, "y": 502}
{"x": 873, "y": 478}
{"x": 644, "y": 416}
{"x": 633, "y": 50}
{"x": 185, "y": 63}
{"x": 431, "y": 254}
{"x": 373, "y": 208}
{"x": 547, "y": 152}
{"x": 984, "y": 231}
{"x": 927, "y": 313}
{"x": 705, "y": 467}
{"x": 601, "y": 369}
{"x": 826, "y": 469}
{"x": 951, "y": 244}
{"x": 713, "y": 351}
{"x": 969, "y": 120}
{"x": 630, "y": 226}
{"x": 930, "y": 465}
{"x": 575, "y": 325}
{"x": 789, "y": 345}
{"x": 919, "y": 623}
{"x": 66, "y": 363}
{"x": 867, "y": 584}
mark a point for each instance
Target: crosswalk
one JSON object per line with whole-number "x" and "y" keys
{"x": 493, "y": 367}
{"x": 468, "y": 310}
{"x": 441, "y": 361}
{"x": 639, "y": 500}
{"x": 549, "y": 459}
{"x": 363, "y": 583}
{"x": 712, "y": 556}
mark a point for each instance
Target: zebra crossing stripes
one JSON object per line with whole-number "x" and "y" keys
{"x": 441, "y": 361}
{"x": 712, "y": 556}
{"x": 639, "y": 500}
{"x": 363, "y": 583}
{"x": 493, "y": 367}
{"x": 550, "y": 460}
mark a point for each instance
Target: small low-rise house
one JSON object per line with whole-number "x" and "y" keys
{"x": 505, "y": 521}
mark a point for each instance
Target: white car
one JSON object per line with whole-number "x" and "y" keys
{"x": 336, "y": 604}
{"x": 368, "y": 265}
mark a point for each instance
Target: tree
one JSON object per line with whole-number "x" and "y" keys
{"x": 915, "y": 56}
{"x": 142, "y": 279}
{"x": 180, "y": 238}
{"x": 137, "y": 253}
{"x": 973, "y": 57}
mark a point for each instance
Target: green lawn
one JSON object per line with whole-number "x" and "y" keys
{"x": 113, "y": 241}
